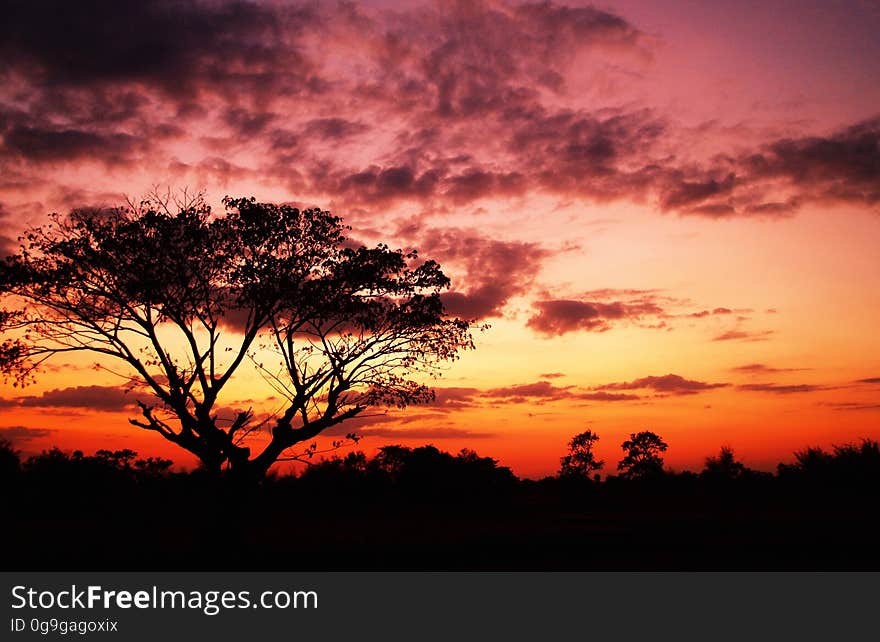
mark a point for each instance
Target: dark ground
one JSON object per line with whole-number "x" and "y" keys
{"x": 442, "y": 514}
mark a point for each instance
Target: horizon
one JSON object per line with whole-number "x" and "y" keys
{"x": 668, "y": 216}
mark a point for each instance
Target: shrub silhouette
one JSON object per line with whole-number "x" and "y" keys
{"x": 723, "y": 467}
{"x": 424, "y": 472}
{"x": 851, "y": 465}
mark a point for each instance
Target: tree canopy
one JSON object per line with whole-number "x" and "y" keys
{"x": 183, "y": 297}
{"x": 581, "y": 460}
{"x": 643, "y": 455}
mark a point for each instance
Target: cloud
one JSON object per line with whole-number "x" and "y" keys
{"x": 537, "y": 392}
{"x": 780, "y": 389}
{"x": 425, "y": 433}
{"x": 606, "y": 396}
{"x": 869, "y": 380}
{"x": 779, "y": 177}
{"x": 101, "y": 398}
{"x": 690, "y": 193}
{"x": 705, "y": 313}
{"x": 852, "y": 406}
{"x": 538, "y": 389}
{"x": 46, "y": 144}
{"x": 99, "y": 81}
{"x": 453, "y": 398}
{"x": 556, "y": 317}
{"x": 672, "y": 384}
{"x": 17, "y": 434}
{"x": 376, "y": 185}
{"x": 743, "y": 335}
{"x": 476, "y": 58}
{"x": 264, "y": 75}
{"x": 441, "y": 104}
{"x": 175, "y": 46}
{"x": 493, "y": 271}
{"x": 8, "y": 244}
{"x": 761, "y": 368}
{"x": 334, "y": 128}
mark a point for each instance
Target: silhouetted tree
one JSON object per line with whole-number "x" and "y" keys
{"x": 853, "y": 465}
{"x": 723, "y": 467}
{"x": 424, "y": 472}
{"x": 391, "y": 460}
{"x": 642, "y": 456}
{"x": 10, "y": 461}
{"x": 861, "y": 462}
{"x": 580, "y": 460}
{"x": 153, "y": 466}
{"x": 183, "y": 298}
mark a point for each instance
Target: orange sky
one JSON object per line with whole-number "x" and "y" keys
{"x": 668, "y": 216}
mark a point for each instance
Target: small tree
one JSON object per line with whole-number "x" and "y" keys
{"x": 581, "y": 462}
{"x": 723, "y": 467}
{"x": 643, "y": 456}
{"x": 183, "y": 298}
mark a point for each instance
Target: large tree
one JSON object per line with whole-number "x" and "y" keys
{"x": 183, "y": 298}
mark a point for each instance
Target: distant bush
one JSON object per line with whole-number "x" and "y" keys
{"x": 852, "y": 465}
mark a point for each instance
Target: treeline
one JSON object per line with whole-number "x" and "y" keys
{"x": 427, "y": 473}
{"x": 423, "y": 508}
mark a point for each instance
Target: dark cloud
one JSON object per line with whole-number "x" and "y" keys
{"x": 424, "y": 433}
{"x": 17, "y": 434}
{"x": 540, "y": 392}
{"x": 100, "y": 80}
{"x": 453, "y": 398}
{"x": 377, "y": 185}
{"x": 685, "y": 194}
{"x": 8, "y": 242}
{"x": 606, "y": 396}
{"x": 475, "y": 183}
{"x": 705, "y": 313}
{"x": 493, "y": 271}
{"x": 101, "y": 398}
{"x": 334, "y": 128}
{"x": 599, "y": 157}
{"x": 761, "y": 368}
{"x": 472, "y": 99}
{"x": 42, "y": 144}
{"x": 247, "y": 123}
{"x": 780, "y": 389}
{"x": 743, "y": 335}
{"x": 869, "y": 380}
{"x": 672, "y": 384}
{"x": 852, "y": 405}
{"x": 560, "y": 316}
{"x": 178, "y": 46}
{"x": 842, "y": 167}
{"x": 472, "y": 58}
{"x": 845, "y": 165}
{"x": 551, "y": 375}
{"x": 538, "y": 389}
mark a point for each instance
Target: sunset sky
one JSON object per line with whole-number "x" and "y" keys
{"x": 668, "y": 212}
